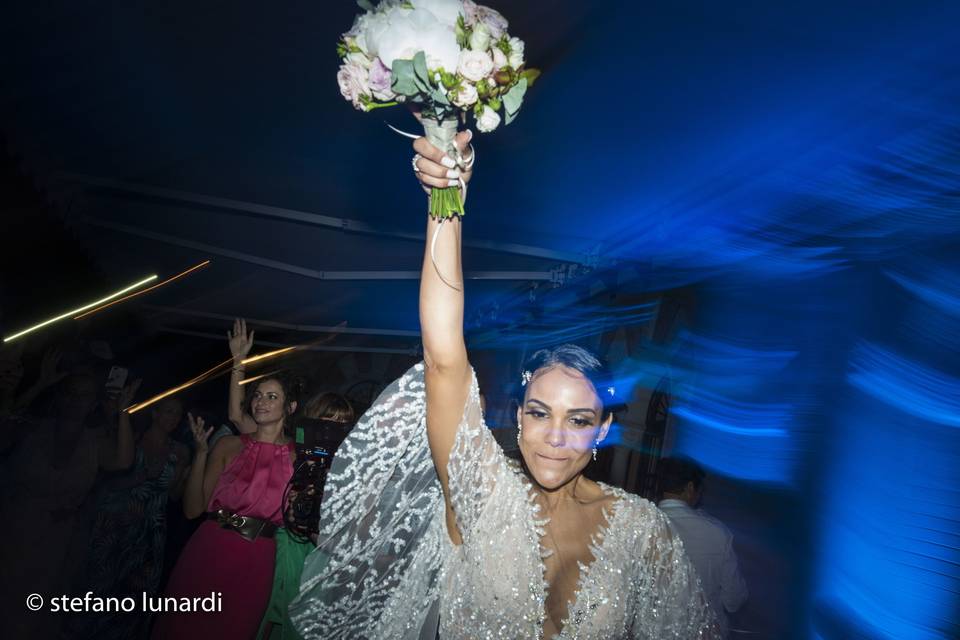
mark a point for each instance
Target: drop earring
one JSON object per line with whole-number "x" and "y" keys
{"x": 519, "y": 432}
{"x": 595, "y": 449}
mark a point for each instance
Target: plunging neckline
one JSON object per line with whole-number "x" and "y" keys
{"x": 596, "y": 546}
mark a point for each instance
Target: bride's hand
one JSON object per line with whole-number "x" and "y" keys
{"x": 434, "y": 168}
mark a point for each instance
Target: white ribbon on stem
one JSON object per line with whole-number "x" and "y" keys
{"x": 463, "y": 193}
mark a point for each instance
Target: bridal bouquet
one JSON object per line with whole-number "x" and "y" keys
{"x": 450, "y": 58}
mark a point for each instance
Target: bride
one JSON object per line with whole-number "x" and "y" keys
{"x": 427, "y": 527}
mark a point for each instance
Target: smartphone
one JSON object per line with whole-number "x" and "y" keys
{"x": 116, "y": 380}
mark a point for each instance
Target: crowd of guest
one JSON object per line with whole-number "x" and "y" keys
{"x": 89, "y": 490}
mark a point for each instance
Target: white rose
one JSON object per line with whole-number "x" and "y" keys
{"x": 359, "y": 24}
{"x": 360, "y": 40}
{"x": 393, "y": 38}
{"x": 488, "y": 120}
{"x": 474, "y": 65}
{"x": 466, "y": 96}
{"x": 359, "y": 59}
{"x": 446, "y": 11}
{"x": 400, "y": 33}
{"x": 516, "y": 53}
{"x": 437, "y": 40}
{"x": 480, "y": 38}
{"x": 499, "y": 58}
{"x": 353, "y": 82}
{"x": 370, "y": 28}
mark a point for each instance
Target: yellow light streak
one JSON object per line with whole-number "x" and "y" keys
{"x": 81, "y": 309}
{"x": 255, "y": 378}
{"x": 147, "y": 290}
{"x": 269, "y": 354}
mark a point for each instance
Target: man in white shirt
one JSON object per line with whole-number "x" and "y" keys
{"x": 707, "y": 542}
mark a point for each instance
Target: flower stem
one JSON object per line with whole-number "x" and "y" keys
{"x": 445, "y": 203}
{"x": 380, "y": 105}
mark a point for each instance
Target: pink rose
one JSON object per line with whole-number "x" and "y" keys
{"x": 354, "y": 82}
{"x": 469, "y": 12}
{"x": 381, "y": 79}
{"x": 493, "y": 19}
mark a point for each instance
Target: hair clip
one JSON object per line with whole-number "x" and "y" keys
{"x": 527, "y": 376}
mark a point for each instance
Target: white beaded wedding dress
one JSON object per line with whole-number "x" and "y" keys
{"x": 386, "y": 569}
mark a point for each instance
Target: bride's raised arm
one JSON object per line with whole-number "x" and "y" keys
{"x": 441, "y": 314}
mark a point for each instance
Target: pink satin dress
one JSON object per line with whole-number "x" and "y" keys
{"x": 218, "y": 560}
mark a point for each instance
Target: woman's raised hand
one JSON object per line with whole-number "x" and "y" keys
{"x": 434, "y": 168}
{"x": 11, "y": 369}
{"x": 240, "y": 342}
{"x": 50, "y": 373}
{"x": 201, "y": 436}
{"x": 128, "y": 393}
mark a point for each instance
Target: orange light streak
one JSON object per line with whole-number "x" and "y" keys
{"x": 255, "y": 378}
{"x": 269, "y": 354}
{"x": 147, "y": 290}
{"x": 169, "y": 392}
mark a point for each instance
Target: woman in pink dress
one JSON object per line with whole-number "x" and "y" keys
{"x": 239, "y": 486}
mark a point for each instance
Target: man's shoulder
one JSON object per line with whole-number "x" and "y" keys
{"x": 720, "y": 530}
{"x": 703, "y": 522}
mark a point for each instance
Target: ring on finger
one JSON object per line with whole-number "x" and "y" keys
{"x": 468, "y": 162}
{"x": 416, "y": 157}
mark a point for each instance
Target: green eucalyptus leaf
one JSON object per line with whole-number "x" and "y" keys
{"x": 420, "y": 68}
{"x": 366, "y": 5}
{"x": 404, "y": 79}
{"x": 439, "y": 96}
{"x": 514, "y": 98}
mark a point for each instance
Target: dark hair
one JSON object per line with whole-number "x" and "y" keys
{"x": 292, "y": 387}
{"x": 675, "y": 473}
{"x": 77, "y": 375}
{"x": 331, "y": 406}
{"x": 579, "y": 359}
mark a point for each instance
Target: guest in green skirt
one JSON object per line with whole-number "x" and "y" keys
{"x": 292, "y": 548}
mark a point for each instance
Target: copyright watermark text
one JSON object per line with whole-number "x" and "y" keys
{"x": 91, "y": 603}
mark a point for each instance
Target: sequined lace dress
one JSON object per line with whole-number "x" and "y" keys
{"x": 385, "y": 568}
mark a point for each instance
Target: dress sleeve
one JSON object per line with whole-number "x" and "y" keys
{"x": 669, "y": 599}
{"x": 374, "y": 573}
{"x": 476, "y": 464}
